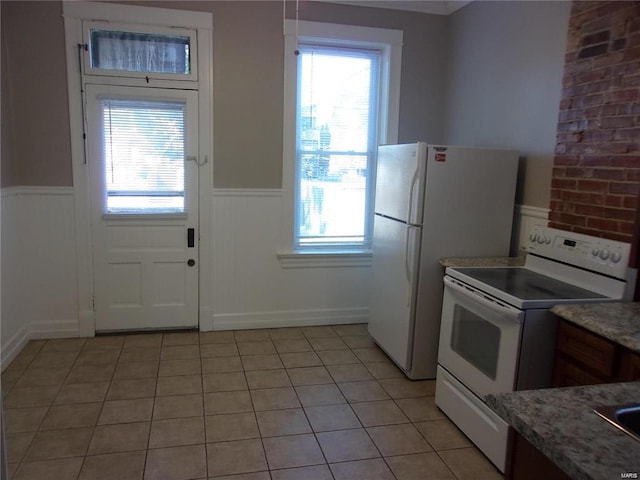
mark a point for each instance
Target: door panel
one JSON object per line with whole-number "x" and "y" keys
{"x": 144, "y": 200}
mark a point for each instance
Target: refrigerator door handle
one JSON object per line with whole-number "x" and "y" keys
{"x": 414, "y": 181}
{"x": 407, "y": 271}
{"x": 407, "y": 262}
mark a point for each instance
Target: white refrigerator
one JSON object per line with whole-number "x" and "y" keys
{"x": 431, "y": 202}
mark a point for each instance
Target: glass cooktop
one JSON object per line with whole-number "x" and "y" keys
{"x": 526, "y": 284}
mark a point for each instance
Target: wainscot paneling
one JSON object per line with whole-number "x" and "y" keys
{"x": 251, "y": 289}
{"x": 39, "y": 281}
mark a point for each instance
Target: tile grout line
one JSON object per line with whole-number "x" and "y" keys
{"x": 365, "y": 428}
{"x": 395, "y": 398}
{"x": 204, "y": 413}
{"x": 104, "y": 400}
{"x": 48, "y": 407}
{"x": 253, "y": 409}
{"x": 293, "y": 387}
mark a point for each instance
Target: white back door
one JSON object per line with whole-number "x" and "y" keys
{"x": 144, "y": 206}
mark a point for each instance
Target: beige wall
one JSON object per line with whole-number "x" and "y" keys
{"x": 504, "y": 83}
{"x": 36, "y": 146}
{"x": 424, "y": 56}
{"x": 490, "y": 74}
{"x": 247, "y": 77}
{"x": 248, "y": 96}
{"x": 247, "y": 91}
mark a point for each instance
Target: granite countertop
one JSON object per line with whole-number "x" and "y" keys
{"x": 618, "y": 322}
{"x": 484, "y": 261}
{"x": 560, "y": 422}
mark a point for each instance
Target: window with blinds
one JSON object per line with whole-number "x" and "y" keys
{"x": 144, "y": 150}
{"x": 337, "y": 111}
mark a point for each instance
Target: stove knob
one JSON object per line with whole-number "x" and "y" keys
{"x": 547, "y": 240}
{"x": 532, "y": 237}
{"x": 540, "y": 239}
{"x": 595, "y": 252}
{"x": 616, "y": 257}
{"x": 604, "y": 254}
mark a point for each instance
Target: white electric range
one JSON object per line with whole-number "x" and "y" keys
{"x": 497, "y": 333}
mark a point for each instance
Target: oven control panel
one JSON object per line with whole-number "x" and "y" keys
{"x": 593, "y": 253}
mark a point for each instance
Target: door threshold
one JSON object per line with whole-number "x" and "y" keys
{"x": 112, "y": 333}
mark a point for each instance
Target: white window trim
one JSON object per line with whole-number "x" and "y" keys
{"x": 129, "y": 14}
{"x": 325, "y": 259}
{"x": 74, "y": 14}
{"x": 390, "y": 42}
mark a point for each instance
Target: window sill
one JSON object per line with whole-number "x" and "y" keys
{"x": 331, "y": 259}
{"x": 143, "y": 216}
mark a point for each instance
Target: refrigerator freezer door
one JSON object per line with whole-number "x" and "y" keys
{"x": 391, "y": 315}
{"x": 400, "y": 174}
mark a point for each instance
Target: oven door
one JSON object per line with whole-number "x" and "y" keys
{"x": 479, "y": 339}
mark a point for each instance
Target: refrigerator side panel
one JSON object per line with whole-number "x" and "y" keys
{"x": 469, "y": 205}
{"x": 399, "y": 181}
{"x": 391, "y": 311}
{"x": 469, "y": 201}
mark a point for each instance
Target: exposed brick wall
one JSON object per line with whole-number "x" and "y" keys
{"x": 596, "y": 174}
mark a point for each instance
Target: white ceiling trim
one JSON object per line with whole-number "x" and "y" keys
{"x": 437, "y": 7}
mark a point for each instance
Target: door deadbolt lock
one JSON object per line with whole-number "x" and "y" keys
{"x": 191, "y": 262}
{"x": 191, "y": 235}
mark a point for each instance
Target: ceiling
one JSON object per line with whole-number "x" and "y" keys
{"x": 439, "y": 7}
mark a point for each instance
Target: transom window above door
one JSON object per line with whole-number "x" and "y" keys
{"x": 132, "y": 51}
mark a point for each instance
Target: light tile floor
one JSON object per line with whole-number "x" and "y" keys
{"x": 310, "y": 403}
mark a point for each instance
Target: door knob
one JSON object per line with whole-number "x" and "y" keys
{"x": 191, "y": 262}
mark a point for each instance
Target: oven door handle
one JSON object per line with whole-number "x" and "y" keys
{"x": 507, "y": 310}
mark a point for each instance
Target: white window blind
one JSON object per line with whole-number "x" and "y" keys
{"x": 144, "y": 150}
{"x": 337, "y": 109}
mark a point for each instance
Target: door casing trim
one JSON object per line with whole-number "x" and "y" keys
{"x": 202, "y": 22}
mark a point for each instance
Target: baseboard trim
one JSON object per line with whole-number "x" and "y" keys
{"x": 15, "y": 345}
{"x": 293, "y": 318}
{"x": 55, "y": 329}
{"x": 86, "y": 323}
{"x": 206, "y": 320}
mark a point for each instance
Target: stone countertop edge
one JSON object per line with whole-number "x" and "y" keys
{"x": 618, "y": 322}
{"x": 561, "y": 424}
{"x": 484, "y": 261}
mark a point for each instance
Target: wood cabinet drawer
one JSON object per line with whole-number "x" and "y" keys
{"x": 526, "y": 462}
{"x": 629, "y": 366}
{"x": 596, "y": 353}
{"x": 567, "y": 374}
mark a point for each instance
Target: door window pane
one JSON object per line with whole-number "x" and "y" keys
{"x": 476, "y": 340}
{"x": 144, "y": 151}
{"x": 337, "y": 125}
{"x": 139, "y": 52}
